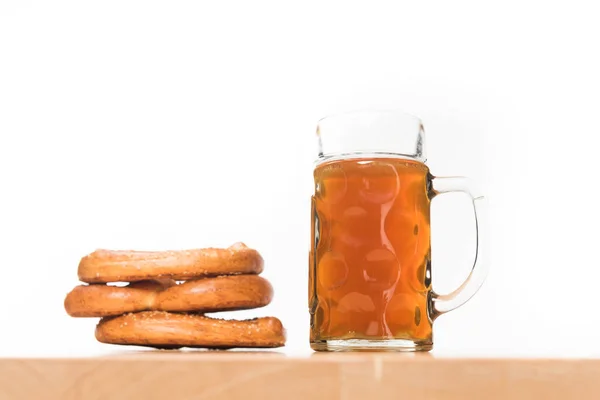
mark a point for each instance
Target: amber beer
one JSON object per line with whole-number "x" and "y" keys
{"x": 370, "y": 275}
{"x": 370, "y": 250}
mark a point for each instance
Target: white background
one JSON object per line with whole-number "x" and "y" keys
{"x": 164, "y": 125}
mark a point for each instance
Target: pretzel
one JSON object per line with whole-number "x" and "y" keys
{"x": 104, "y": 266}
{"x": 222, "y": 293}
{"x": 167, "y": 330}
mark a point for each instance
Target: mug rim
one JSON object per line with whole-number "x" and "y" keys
{"x": 371, "y": 111}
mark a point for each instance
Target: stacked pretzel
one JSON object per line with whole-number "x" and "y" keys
{"x": 155, "y": 310}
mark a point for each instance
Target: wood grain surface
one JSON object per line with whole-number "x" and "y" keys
{"x": 271, "y": 375}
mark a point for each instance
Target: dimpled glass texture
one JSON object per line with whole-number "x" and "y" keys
{"x": 369, "y": 263}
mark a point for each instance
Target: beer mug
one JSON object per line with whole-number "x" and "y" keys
{"x": 370, "y": 256}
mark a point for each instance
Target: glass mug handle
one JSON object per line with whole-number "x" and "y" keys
{"x": 442, "y": 303}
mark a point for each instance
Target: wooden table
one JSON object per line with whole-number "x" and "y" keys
{"x": 273, "y": 375}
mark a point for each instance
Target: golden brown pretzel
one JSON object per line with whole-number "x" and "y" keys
{"x": 104, "y": 266}
{"x": 103, "y": 300}
{"x": 237, "y": 292}
{"x": 168, "y": 330}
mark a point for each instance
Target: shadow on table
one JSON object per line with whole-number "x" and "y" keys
{"x": 385, "y": 355}
{"x": 192, "y": 353}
